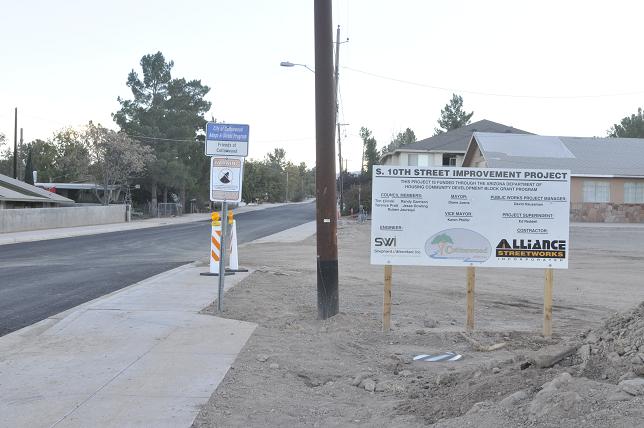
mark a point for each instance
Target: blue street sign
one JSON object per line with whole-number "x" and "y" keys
{"x": 226, "y": 139}
{"x": 226, "y": 132}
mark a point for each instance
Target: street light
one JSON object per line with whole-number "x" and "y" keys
{"x": 292, "y": 64}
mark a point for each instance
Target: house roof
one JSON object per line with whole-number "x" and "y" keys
{"x": 582, "y": 156}
{"x": 456, "y": 140}
{"x": 19, "y": 191}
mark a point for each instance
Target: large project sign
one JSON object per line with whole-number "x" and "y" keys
{"x": 449, "y": 216}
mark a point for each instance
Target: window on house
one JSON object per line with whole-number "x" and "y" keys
{"x": 596, "y": 191}
{"x": 634, "y": 193}
{"x": 449, "y": 159}
{"x": 412, "y": 159}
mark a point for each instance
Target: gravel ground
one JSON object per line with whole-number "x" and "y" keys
{"x": 298, "y": 371}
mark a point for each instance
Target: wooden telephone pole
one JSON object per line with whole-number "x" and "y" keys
{"x": 325, "y": 119}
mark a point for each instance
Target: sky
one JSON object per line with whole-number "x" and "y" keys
{"x": 570, "y": 68}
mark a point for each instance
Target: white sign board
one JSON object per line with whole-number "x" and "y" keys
{"x": 226, "y": 139}
{"x": 448, "y": 216}
{"x": 226, "y": 175}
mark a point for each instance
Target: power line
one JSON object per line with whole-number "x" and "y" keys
{"x": 490, "y": 94}
{"x": 164, "y": 139}
{"x": 178, "y": 140}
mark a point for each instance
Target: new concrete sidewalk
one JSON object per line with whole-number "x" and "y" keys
{"x": 142, "y": 356}
{"x": 68, "y": 232}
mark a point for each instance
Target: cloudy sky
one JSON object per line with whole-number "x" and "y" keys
{"x": 550, "y": 67}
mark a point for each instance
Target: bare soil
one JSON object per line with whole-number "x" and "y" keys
{"x": 343, "y": 372}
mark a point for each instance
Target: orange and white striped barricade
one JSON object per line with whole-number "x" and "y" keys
{"x": 215, "y": 244}
{"x": 233, "y": 255}
{"x": 215, "y": 247}
{"x": 233, "y": 260}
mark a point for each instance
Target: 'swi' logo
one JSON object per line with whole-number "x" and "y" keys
{"x": 385, "y": 242}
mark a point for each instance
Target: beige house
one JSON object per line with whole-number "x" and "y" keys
{"x": 607, "y": 174}
{"x": 18, "y": 194}
{"x": 446, "y": 149}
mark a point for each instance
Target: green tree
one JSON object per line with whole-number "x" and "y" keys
{"x": 29, "y": 167}
{"x": 402, "y": 139}
{"x": 71, "y": 156}
{"x": 442, "y": 240}
{"x": 44, "y": 156}
{"x": 629, "y": 127}
{"x": 267, "y": 180}
{"x": 453, "y": 116}
{"x": 369, "y": 151}
{"x": 6, "y": 158}
{"x": 251, "y": 190}
{"x": 277, "y": 158}
{"x": 168, "y": 115}
{"x": 116, "y": 158}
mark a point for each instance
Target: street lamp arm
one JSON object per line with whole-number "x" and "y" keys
{"x": 292, "y": 64}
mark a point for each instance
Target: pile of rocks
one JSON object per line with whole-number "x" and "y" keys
{"x": 616, "y": 350}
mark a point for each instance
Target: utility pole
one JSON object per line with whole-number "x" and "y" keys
{"x": 340, "y": 164}
{"x": 286, "y": 186}
{"x": 15, "y": 146}
{"x": 326, "y": 218}
{"x": 337, "y": 109}
{"x": 21, "y": 145}
{"x": 341, "y": 175}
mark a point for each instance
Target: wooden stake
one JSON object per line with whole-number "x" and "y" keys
{"x": 386, "y": 306}
{"x": 547, "y": 303}
{"x": 471, "y": 278}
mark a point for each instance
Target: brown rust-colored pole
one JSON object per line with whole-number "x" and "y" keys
{"x": 386, "y": 304}
{"x": 326, "y": 221}
{"x": 547, "y": 303}
{"x": 471, "y": 278}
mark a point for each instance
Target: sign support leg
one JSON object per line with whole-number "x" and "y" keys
{"x": 222, "y": 256}
{"x": 547, "y": 303}
{"x": 386, "y": 306}
{"x": 471, "y": 279}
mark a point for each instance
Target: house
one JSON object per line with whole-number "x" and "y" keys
{"x": 444, "y": 149}
{"x": 18, "y": 194}
{"x": 86, "y": 193}
{"x": 607, "y": 174}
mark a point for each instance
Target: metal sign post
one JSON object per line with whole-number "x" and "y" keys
{"x": 227, "y": 146}
{"x": 222, "y": 258}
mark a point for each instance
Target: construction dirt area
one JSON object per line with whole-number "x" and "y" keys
{"x": 343, "y": 372}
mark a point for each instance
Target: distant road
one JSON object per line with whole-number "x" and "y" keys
{"x": 40, "y": 279}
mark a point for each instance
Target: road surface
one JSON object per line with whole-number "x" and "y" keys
{"x": 41, "y": 279}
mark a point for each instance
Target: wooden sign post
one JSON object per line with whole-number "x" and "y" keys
{"x": 471, "y": 278}
{"x": 386, "y": 305}
{"x": 547, "y": 303}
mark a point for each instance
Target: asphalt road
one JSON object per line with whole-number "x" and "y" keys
{"x": 41, "y": 279}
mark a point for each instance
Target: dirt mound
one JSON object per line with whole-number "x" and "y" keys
{"x": 598, "y": 385}
{"x": 616, "y": 349}
{"x": 563, "y": 401}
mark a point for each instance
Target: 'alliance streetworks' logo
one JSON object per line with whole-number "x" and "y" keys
{"x": 532, "y": 249}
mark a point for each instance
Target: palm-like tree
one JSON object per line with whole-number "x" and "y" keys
{"x": 442, "y": 240}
